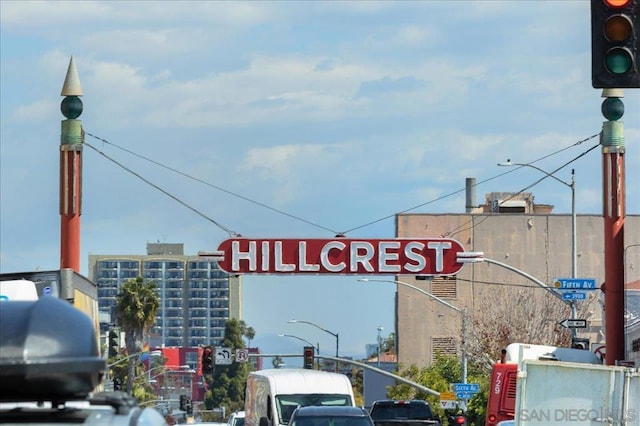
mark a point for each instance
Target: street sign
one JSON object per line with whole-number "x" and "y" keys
{"x": 574, "y": 323}
{"x": 223, "y": 356}
{"x": 575, "y": 284}
{"x": 465, "y": 387}
{"x": 465, "y": 395}
{"x": 574, "y": 295}
{"x": 242, "y": 355}
{"x": 450, "y": 396}
{"x": 448, "y": 404}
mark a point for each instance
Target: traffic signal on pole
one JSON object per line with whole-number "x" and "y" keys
{"x": 207, "y": 360}
{"x": 113, "y": 344}
{"x": 188, "y": 406}
{"x": 578, "y": 343}
{"x": 117, "y": 384}
{"x": 615, "y": 44}
{"x": 183, "y": 402}
{"x": 308, "y": 357}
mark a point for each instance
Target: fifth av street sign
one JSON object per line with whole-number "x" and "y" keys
{"x": 574, "y": 323}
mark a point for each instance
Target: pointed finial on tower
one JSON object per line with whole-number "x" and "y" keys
{"x": 71, "y": 86}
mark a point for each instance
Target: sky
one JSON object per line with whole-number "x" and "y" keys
{"x": 293, "y": 120}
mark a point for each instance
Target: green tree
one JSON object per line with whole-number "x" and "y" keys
{"x": 228, "y": 382}
{"x": 438, "y": 376}
{"x": 137, "y": 304}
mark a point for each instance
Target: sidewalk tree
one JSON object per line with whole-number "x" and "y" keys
{"x": 227, "y": 383}
{"x": 137, "y": 304}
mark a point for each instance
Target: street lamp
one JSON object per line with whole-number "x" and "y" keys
{"x": 574, "y": 223}
{"x": 326, "y": 331}
{"x": 317, "y": 345}
{"x": 462, "y": 312}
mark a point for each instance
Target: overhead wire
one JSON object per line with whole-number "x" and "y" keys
{"x": 482, "y": 182}
{"x": 226, "y": 191}
{"x": 199, "y": 213}
{"x": 298, "y": 218}
{"x": 484, "y": 217}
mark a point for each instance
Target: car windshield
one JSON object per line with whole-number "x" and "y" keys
{"x": 288, "y": 403}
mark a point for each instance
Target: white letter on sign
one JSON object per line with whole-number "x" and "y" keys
{"x": 364, "y": 259}
{"x": 324, "y": 256}
{"x": 302, "y": 259}
{"x": 384, "y": 256}
{"x": 236, "y": 255}
{"x": 281, "y": 267}
{"x": 413, "y": 251}
{"x": 439, "y": 247}
{"x": 265, "y": 256}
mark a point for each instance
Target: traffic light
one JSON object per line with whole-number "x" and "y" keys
{"x": 207, "y": 360}
{"x": 308, "y": 357}
{"x": 615, "y": 44}
{"x": 578, "y": 343}
{"x": 183, "y": 402}
{"x": 113, "y": 344}
{"x": 188, "y": 407}
{"x": 117, "y": 384}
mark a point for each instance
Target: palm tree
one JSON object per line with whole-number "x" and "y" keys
{"x": 136, "y": 308}
{"x": 249, "y": 333}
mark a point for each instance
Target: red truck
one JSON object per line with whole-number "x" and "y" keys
{"x": 501, "y": 401}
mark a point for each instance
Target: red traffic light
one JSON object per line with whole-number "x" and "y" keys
{"x": 207, "y": 360}
{"x": 617, "y": 3}
{"x": 308, "y": 354}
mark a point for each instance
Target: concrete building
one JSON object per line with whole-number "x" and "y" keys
{"x": 196, "y": 296}
{"x": 513, "y": 230}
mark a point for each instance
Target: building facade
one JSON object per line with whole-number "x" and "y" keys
{"x": 510, "y": 229}
{"x": 196, "y": 296}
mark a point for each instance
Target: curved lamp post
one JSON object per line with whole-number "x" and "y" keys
{"x": 317, "y": 345}
{"x": 574, "y": 223}
{"x": 462, "y": 312}
{"x": 323, "y": 329}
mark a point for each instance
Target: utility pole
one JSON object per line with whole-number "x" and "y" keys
{"x": 71, "y": 140}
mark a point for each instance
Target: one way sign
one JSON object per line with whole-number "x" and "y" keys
{"x": 574, "y": 323}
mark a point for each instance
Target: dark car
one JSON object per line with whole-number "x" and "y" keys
{"x": 330, "y": 416}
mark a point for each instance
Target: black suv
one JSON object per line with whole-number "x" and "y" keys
{"x": 330, "y": 416}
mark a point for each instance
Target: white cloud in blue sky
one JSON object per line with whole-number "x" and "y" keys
{"x": 339, "y": 114}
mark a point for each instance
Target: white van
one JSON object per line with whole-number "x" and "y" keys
{"x": 273, "y": 395}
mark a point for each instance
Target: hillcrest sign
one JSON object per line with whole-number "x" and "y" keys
{"x": 406, "y": 256}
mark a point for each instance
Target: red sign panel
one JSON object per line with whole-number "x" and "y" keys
{"x": 340, "y": 256}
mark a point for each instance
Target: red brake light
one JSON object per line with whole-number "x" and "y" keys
{"x": 460, "y": 420}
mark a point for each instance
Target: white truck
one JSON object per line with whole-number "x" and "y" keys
{"x": 272, "y": 395}
{"x": 560, "y": 393}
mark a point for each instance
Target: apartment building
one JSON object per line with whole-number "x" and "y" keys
{"x": 196, "y": 296}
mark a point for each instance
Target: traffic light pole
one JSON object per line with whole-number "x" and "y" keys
{"x": 613, "y": 191}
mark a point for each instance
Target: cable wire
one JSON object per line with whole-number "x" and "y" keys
{"x": 341, "y": 233}
{"x": 226, "y": 191}
{"x": 224, "y": 228}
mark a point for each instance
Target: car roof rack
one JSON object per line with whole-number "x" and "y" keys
{"x": 49, "y": 352}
